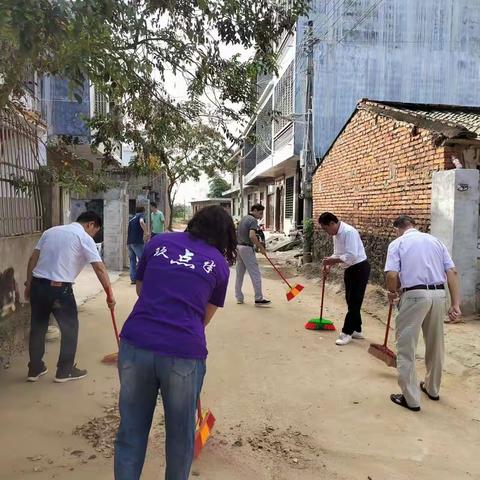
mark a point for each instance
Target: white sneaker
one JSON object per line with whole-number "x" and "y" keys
{"x": 343, "y": 339}
{"x": 53, "y": 332}
{"x": 239, "y": 302}
{"x": 358, "y": 336}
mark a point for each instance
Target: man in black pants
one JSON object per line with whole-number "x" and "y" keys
{"x": 58, "y": 258}
{"x": 348, "y": 250}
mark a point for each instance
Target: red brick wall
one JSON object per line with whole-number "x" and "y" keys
{"x": 378, "y": 169}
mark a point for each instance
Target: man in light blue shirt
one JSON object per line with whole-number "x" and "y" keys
{"x": 418, "y": 266}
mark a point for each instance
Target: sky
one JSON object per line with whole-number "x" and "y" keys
{"x": 177, "y": 88}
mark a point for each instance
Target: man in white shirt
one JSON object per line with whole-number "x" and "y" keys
{"x": 417, "y": 267}
{"x": 60, "y": 255}
{"x": 348, "y": 250}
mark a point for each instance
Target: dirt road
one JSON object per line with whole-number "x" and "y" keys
{"x": 289, "y": 405}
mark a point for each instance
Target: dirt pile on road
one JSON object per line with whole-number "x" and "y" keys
{"x": 100, "y": 432}
{"x": 290, "y": 446}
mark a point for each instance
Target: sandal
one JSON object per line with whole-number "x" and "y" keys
{"x": 424, "y": 390}
{"x": 399, "y": 399}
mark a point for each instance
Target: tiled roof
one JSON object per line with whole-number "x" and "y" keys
{"x": 453, "y": 116}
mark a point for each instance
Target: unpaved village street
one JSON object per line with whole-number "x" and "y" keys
{"x": 289, "y": 404}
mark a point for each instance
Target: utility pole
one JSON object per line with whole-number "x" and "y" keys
{"x": 307, "y": 156}
{"x": 240, "y": 176}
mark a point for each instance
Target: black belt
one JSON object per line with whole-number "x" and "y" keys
{"x": 51, "y": 282}
{"x": 425, "y": 287}
{"x": 246, "y": 244}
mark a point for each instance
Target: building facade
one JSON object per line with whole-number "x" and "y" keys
{"x": 22, "y": 154}
{"x": 382, "y": 165}
{"x": 409, "y": 51}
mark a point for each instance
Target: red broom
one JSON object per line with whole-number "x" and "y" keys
{"x": 203, "y": 429}
{"x": 382, "y": 352}
{"x": 294, "y": 291}
{"x": 113, "y": 357}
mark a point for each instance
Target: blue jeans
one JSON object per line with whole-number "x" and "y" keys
{"x": 142, "y": 375}
{"x": 135, "y": 252}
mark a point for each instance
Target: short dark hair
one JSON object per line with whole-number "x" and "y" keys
{"x": 404, "y": 221}
{"x": 215, "y": 226}
{"x": 326, "y": 218}
{"x": 140, "y": 209}
{"x": 153, "y": 204}
{"x": 258, "y": 207}
{"x": 87, "y": 217}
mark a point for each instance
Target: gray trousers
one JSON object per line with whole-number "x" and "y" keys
{"x": 247, "y": 262}
{"x": 420, "y": 310}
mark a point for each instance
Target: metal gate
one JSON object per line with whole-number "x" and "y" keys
{"x": 20, "y": 201}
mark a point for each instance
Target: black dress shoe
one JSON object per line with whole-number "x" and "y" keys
{"x": 424, "y": 390}
{"x": 399, "y": 399}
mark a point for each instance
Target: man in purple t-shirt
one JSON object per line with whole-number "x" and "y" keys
{"x": 182, "y": 279}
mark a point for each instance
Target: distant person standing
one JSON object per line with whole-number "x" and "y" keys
{"x": 137, "y": 233}
{"x": 417, "y": 268}
{"x": 348, "y": 250}
{"x": 60, "y": 255}
{"x": 157, "y": 220}
{"x": 246, "y": 259}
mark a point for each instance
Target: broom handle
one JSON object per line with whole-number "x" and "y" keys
{"x": 323, "y": 293}
{"x": 390, "y": 309}
{"x": 114, "y": 323}
{"x": 199, "y": 411}
{"x": 279, "y": 272}
{"x": 112, "y": 314}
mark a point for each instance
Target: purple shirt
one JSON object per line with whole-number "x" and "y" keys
{"x": 180, "y": 275}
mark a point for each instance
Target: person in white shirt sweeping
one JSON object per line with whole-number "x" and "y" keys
{"x": 348, "y": 250}
{"x": 60, "y": 255}
{"x": 418, "y": 266}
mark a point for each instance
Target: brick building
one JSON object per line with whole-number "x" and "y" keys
{"x": 381, "y": 165}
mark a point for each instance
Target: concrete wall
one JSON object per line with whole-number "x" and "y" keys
{"x": 115, "y": 214}
{"x": 14, "y": 255}
{"x": 425, "y": 51}
{"x": 455, "y": 203}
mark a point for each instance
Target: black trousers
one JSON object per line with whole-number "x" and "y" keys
{"x": 44, "y": 300}
{"x": 356, "y": 279}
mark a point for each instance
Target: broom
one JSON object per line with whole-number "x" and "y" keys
{"x": 382, "y": 352}
{"x": 320, "y": 323}
{"x": 112, "y": 357}
{"x": 294, "y": 291}
{"x": 203, "y": 428}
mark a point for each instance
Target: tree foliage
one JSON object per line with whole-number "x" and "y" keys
{"x": 217, "y": 186}
{"x": 167, "y": 143}
{"x": 126, "y": 46}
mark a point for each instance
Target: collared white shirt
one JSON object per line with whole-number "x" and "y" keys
{"x": 419, "y": 258}
{"x": 64, "y": 252}
{"x": 348, "y": 246}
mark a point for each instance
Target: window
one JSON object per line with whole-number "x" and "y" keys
{"x": 283, "y": 100}
{"x": 263, "y": 138}
{"x": 289, "y": 187}
{"x": 101, "y": 104}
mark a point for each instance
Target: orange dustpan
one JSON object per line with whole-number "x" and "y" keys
{"x": 205, "y": 423}
{"x": 294, "y": 291}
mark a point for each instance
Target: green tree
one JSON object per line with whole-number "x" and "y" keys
{"x": 217, "y": 185}
{"x": 125, "y": 47}
{"x": 166, "y": 142}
